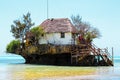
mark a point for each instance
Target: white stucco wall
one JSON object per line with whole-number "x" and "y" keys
{"x": 55, "y": 38}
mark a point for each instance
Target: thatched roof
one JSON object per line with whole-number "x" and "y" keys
{"x": 58, "y": 25}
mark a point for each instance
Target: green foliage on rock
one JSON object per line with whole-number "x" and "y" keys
{"x": 13, "y": 46}
{"x": 38, "y": 33}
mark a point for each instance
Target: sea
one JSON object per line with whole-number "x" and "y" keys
{"x": 12, "y": 67}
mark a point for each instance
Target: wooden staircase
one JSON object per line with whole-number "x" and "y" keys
{"x": 102, "y": 53}
{"x": 80, "y": 52}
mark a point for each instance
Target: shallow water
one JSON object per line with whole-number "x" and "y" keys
{"x": 11, "y": 68}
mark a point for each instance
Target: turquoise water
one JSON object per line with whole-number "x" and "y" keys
{"x": 12, "y": 68}
{"x": 11, "y": 59}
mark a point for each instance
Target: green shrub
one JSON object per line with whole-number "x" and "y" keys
{"x": 13, "y": 46}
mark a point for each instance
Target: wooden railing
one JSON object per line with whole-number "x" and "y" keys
{"x": 105, "y": 55}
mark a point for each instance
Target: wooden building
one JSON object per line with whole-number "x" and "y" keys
{"x": 58, "y": 31}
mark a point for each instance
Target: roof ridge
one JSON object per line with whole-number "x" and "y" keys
{"x": 57, "y": 18}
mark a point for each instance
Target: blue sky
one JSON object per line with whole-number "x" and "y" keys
{"x": 102, "y": 14}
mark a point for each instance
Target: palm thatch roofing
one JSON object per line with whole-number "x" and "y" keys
{"x": 58, "y": 25}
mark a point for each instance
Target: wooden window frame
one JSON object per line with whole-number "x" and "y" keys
{"x": 62, "y": 35}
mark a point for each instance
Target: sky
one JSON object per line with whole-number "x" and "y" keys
{"x": 101, "y": 14}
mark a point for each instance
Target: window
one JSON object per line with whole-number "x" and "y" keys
{"x": 62, "y": 35}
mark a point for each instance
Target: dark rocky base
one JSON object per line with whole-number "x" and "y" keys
{"x": 62, "y": 60}
{"x": 48, "y": 59}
